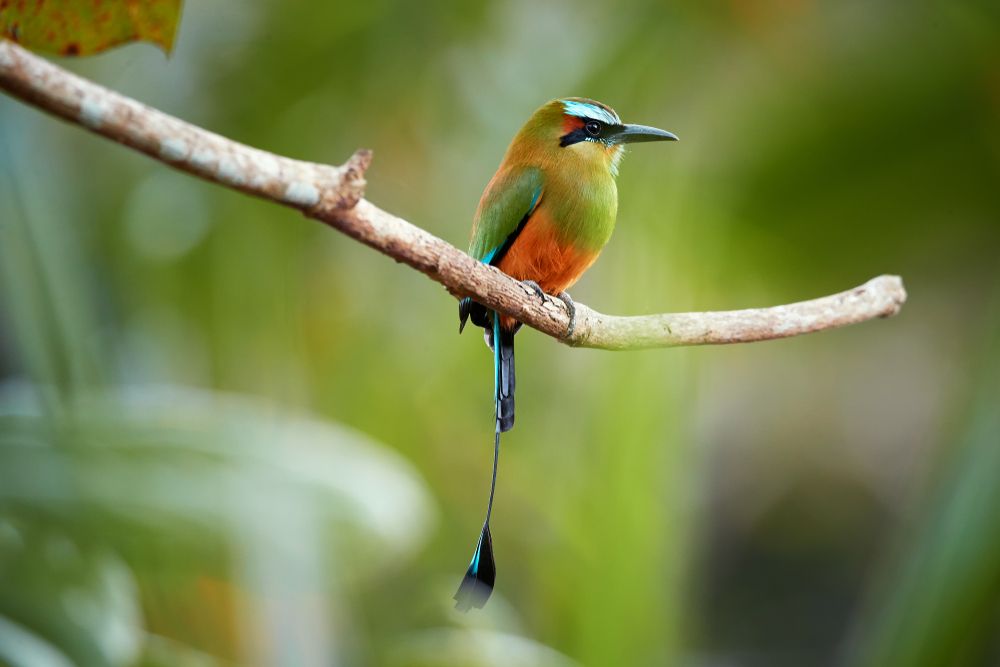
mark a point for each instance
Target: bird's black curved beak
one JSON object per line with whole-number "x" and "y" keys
{"x": 633, "y": 134}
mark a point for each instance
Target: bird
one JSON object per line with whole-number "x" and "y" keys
{"x": 543, "y": 219}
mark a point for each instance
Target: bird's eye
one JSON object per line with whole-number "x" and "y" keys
{"x": 593, "y": 128}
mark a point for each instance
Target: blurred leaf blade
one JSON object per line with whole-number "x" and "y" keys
{"x": 256, "y": 513}
{"x": 81, "y": 599}
{"x": 131, "y": 454}
{"x": 21, "y": 648}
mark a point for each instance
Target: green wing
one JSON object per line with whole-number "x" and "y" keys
{"x": 505, "y": 207}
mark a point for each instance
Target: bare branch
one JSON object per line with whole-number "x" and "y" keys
{"x": 334, "y": 195}
{"x": 879, "y": 297}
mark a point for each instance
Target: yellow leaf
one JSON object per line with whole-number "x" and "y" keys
{"x": 84, "y": 27}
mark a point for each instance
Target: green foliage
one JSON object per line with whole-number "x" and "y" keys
{"x": 81, "y": 599}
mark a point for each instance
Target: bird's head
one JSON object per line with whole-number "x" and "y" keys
{"x": 587, "y": 130}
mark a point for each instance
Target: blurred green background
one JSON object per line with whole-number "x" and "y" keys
{"x": 229, "y": 435}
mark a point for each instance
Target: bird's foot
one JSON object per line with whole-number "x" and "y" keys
{"x": 563, "y": 296}
{"x": 536, "y": 288}
{"x": 571, "y": 308}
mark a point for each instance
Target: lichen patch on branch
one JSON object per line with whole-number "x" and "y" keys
{"x": 92, "y": 111}
{"x": 301, "y": 195}
{"x": 173, "y": 149}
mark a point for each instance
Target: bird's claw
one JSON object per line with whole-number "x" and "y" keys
{"x": 571, "y": 308}
{"x": 536, "y": 288}
{"x": 563, "y": 296}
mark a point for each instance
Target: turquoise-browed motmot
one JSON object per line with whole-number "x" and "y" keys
{"x": 543, "y": 219}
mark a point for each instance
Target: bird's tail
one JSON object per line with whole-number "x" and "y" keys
{"x": 477, "y": 585}
{"x": 501, "y": 341}
{"x": 503, "y": 374}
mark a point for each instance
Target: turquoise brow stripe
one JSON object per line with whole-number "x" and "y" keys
{"x": 585, "y": 110}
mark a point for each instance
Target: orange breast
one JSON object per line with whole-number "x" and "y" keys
{"x": 537, "y": 254}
